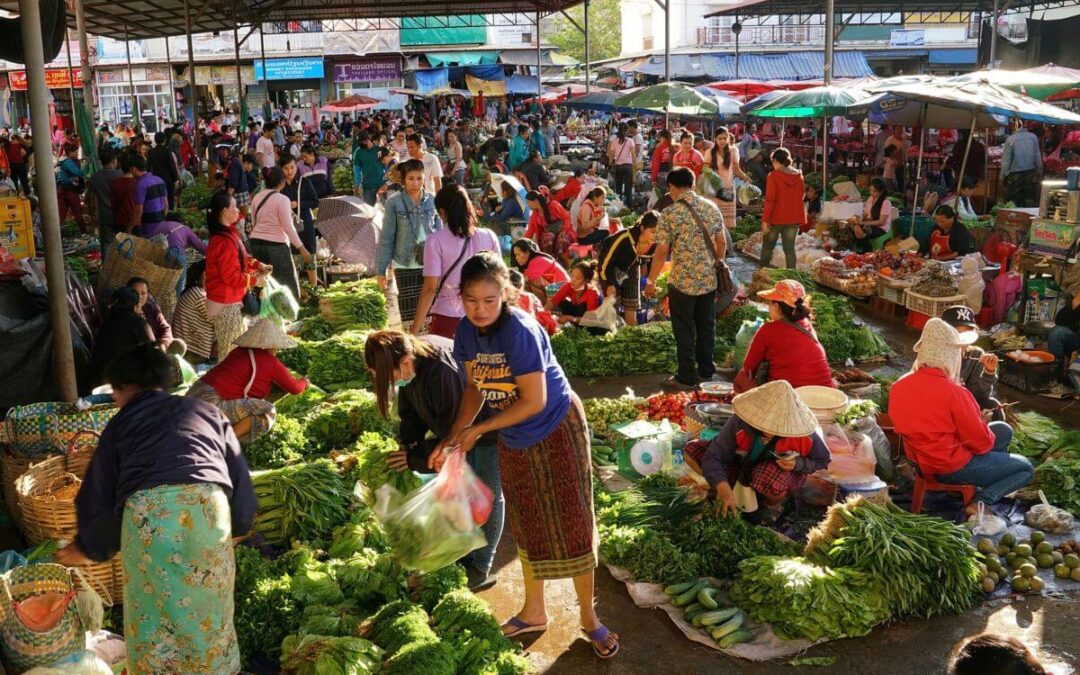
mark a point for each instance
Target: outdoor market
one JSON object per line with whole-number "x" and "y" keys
{"x": 477, "y": 385}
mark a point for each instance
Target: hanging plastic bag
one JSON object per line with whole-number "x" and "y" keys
{"x": 742, "y": 340}
{"x": 278, "y": 302}
{"x": 603, "y": 316}
{"x": 438, "y": 523}
{"x": 985, "y": 523}
{"x": 869, "y": 427}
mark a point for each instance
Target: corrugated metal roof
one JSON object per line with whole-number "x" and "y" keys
{"x": 791, "y": 66}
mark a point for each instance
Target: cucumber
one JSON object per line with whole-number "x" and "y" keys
{"x": 718, "y": 616}
{"x": 679, "y": 589}
{"x": 693, "y": 610}
{"x": 737, "y": 637}
{"x": 603, "y": 449}
{"x": 733, "y": 624}
{"x": 696, "y": 621}
{"x": 688, "y": 597}
{"x": 707, "y": 598}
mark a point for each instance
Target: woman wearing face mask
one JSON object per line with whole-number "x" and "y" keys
{"x": 943, "y": 429}
{"x": 428, "y": 384}
{"x": 545, "y": 470}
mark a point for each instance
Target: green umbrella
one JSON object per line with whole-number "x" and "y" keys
{"x": 1039, "y": 84}
{"x": 674, "y": 98}
{"x": 827, "y": 101}
{"x": 85, "y": 129}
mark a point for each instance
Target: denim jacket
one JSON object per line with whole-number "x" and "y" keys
{"x": 405, "y": 225}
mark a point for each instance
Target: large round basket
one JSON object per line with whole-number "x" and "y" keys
{"x": 46, "y": 494}
{"x": 13, "y": 465}
{"x": 80, "y": 451}
{"x": 106, "y": 579}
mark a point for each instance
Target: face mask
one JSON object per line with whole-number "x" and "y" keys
{"x": 403, "y": 382}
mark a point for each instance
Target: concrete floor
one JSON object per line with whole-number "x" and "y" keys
{"x": 652, "y": 644}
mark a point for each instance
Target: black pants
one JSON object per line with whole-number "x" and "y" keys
{"x": 170, "y": 194}
{"x": 624, "y": 182}
{"x": 20, "y": 175}
{"x": 693, "y": 320}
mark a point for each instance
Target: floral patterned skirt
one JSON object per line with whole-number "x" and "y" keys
{"x": 178, "y": 598}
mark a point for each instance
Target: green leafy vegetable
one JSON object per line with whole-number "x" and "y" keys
{"x": 371, "y": 452}
{"x": 341, "y": 620}
{"x": 406, "y": 627}
{"x": 316, "y": 328}
{"x": 285, "y": 444}
{"x": 305, "y": 501}
{"x": 324, "y": 655}
{"x": 371, "y": 577}
{"x": 1033, "y": 434}
{"x": 1059, "y": 479}
{"x": 340, "y": 420}
{"x": 354, "y": 305}
{"x": 315, "y": 584}
{"x": 435, "y": 585}
{"x": 264, "y": 609}
{"x": 429, "y": 658}
{"x": 841, "y": 333}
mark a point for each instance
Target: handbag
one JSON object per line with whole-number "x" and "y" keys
{"x": 449, "y": 271}
{"x": 251, "y": 304}
{"x": 724, "y": 280}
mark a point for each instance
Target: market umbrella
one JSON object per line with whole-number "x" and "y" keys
{"x": 726, "y": 105}
{"x": 597, "y": 100}
{"x": 673, "y": 98}
{"x": 826, "y": 101}
{"x": 351, "y": 104}
{"x": 753, "y": 104}
{"x": 746, "y": 88}
{"x": 1040, "y": 85}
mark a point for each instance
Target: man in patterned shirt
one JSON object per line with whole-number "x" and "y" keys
{"x": 692, "y": 284}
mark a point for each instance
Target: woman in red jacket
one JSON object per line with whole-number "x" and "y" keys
{"x": 549, "y": 225}
{"x": 785, "y": 348}
{"x": 661, "y": 161}
{"x": 944, "y": 432}
{"x": 784, "y": 213}
{"x": 230, "y": 272}
{"x": 238, "y": 386}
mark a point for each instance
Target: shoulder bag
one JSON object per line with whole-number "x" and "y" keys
{"x": 724, "y": 281}
{"x": 250, "y": 305}
{"x": 448, "y": 272}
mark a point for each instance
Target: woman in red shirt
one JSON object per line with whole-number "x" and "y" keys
{"x": 784, "y": 213}
{"x": 230, "y": 272}
{"x": 786, "y": 347}
{"x": 687, "y": 156}
{"x": 944, "y": 432}
{"x": 540, "y": 269}
{"x": 661, "y": 160}
{"x": 238, "y": 386}
{"x": 549, "y": 225}
{"x": 578, "y": 296}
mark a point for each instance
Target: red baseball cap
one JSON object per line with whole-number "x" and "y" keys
{"x": 786, "y": 291}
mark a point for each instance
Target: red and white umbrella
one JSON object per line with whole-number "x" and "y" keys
{"x": 351, "y": 104}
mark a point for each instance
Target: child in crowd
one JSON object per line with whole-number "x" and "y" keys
{"x": 532, "y": 304}
{"x": 578, "y": 296}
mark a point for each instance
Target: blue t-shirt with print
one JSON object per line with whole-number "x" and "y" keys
{"x": 518, "y": 346}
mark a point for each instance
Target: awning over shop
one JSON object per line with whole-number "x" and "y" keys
{"x": 527, "y": 57}
{"x": 435, "y": 79}
{"x": 521, "y": 84}
{"x": 486, "y": 87}
{"x": 954, "y": 56}
{"x": 890, "y": 54}
{"x": 437, "y": 59}
{"x": 791, "y": 66}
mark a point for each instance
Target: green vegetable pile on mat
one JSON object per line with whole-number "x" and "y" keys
{"x": 841, "y": 333}
{"x": 197, "y": 196}
{"x": 925, "y": 565}
{"x": 745, "y": 226}
{"x": 722, "y": 543}
{"x": 354, "y": 305}
{"x": 303, "y": 501}
{"x": 727, "y": 326}
{"x": 767, "y": 277}
{"x": 803, "y": 600}
{"x": 361, "y": 532}
{"x": 324, "y": 655}
{"x": 371, "y": 452}
{"x": 286, "y": 443}
{"x": 632, "y": 350}
{"x": 341, "y": 620}
{"x": 434, "y": 585}
{"x": 342, "y": 418}
{"x": 603, "y": 413}
{"x": 314, "y": 583}
{"x": 399, "y": 626}
{"x": 299, "y": 405}
{"x": 264, "y": 610}
{"x": 1059, "y": 479}
{"x": 298, "y": 359}
{"x": 316, "y": 328}
{"x": 1033, "y": 434}
{"x": 338, "y": 363}
{"x": 1067, "y": 446}
{"x": 429, "y": 658}
{"x": 370, "y": 577}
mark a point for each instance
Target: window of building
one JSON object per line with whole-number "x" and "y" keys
{"x": 154, "y": 101}
{"x": 647, "y": 31}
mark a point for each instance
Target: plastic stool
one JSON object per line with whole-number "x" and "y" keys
{"x": 924, "y": 484}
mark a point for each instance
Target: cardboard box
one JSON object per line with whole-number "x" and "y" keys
{"x": 16, "y": 227}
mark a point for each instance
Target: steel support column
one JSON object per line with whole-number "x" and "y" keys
{"x": 191, "y": 86}
{"x": 84, "y": 61}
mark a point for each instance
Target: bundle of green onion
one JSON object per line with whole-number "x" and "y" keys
{"x": 304, "y": 501}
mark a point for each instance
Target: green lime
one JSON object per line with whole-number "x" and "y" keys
{"x": 1044, "y": 547}
{"x": 1008, "y": 539}
{"x": 1062, "y": 571}
{"x": 1075, "y": 574}
{"x": 1028, "y": 570}
{"x": 1021, "y": 584}
{"x": 1045, "y": 560}
{"x": 1037, "y": 537}
{"x": 1072, "y": 560}
{"x": 1023, "y": 550}
{"x": 988, "y": 585}
{"x": 1037, "y": 585}
{"x": 985, "y": 546}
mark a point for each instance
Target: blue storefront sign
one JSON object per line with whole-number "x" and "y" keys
{"x": 290, "y": 69}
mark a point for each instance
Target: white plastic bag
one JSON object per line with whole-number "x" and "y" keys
{"x": 439, "y": 523}
{"x": 603, "y": 316}
{"x": 985, "y": 523}
{"x": 1049, "y": 518}
{"x": 83, "y": 663}
{"x": 971, "y": 283}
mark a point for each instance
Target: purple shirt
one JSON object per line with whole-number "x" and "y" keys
{"x": 177, "y": 234}
{"x": 441, "y": 250}
{"x": 151, "y": 194}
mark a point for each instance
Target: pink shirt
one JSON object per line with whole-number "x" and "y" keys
{"x": 440, "y": 251}
{"x": 273, "y": 219}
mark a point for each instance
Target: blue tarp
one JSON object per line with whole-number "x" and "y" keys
{"x": 431, "y": 80}
{"x": 954, "y": 56}
{"x": 890, "y": 54}
{"x": 489, "y": 73}
{"x": 791, "y": 66}
{"x": 521, "y": 84}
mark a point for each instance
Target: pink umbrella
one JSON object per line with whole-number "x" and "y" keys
{"x": 351, "y": 104}
{"x": 748, "y": 88}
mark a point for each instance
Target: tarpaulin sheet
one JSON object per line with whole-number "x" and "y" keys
{"x": 428, "y": 81}
{"x": 461, "y": 58}
{"x": 521, "y": 84}
{"x": 486, "y": 87}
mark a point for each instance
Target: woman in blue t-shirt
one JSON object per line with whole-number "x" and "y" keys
{"x": 543, "y": 444}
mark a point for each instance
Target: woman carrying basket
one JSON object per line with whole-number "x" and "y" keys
{"x": 169, "y": 489}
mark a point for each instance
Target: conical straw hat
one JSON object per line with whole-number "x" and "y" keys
{"x": 265, "y": 334}
{"x": 774, "y": 408}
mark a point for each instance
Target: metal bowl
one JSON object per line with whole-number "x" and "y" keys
{"x": 715, "y": 412}
{"x": 717, "y": 387}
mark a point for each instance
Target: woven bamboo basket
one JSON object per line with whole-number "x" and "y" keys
{"x": 46, "y": 515}
{"x": 80, "y": 451}
{"x": 106, "y": 579}
{"x": 11, "y": 467}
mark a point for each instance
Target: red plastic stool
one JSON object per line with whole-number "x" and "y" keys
{"x": 985, "y": 319}
{"x": 924, "y": 484}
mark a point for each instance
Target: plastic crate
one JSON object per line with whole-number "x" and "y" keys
{"x": 1032, "y": 378}
{"x": 410, "y": 282}
{"x": 888, "y": 289}
{"x": 932, "y": 307}
{"x": 916, "y": 320}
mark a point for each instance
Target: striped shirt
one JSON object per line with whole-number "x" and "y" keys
{"x": 191, "y": 324}
{"x": 151, "y": 194}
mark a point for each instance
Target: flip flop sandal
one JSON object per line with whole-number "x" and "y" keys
{"x": 522, "y": 628}
{"x": 600, "y": 636}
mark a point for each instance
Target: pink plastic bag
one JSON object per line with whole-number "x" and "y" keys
{"x": 457, "y": 486}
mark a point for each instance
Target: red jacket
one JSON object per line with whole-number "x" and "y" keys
{"x": 227, "y": 279}
{"x": 569, "y": 192}
{"x": 231, "y": 376}
{"x": 784, "y": 199}
{"x": 939, "y": 420}
{"x": 538, "y": 223}
{"x": 792, "y": 355}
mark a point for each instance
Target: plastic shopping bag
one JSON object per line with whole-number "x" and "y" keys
{"x": 603, "y": 316}
{"x": 742, "y": 340}
{"x": 439, "y": 523}
{"x": 278, "y": 302}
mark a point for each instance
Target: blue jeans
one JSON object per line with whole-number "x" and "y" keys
{"x": 997, "y": 473}
{"x": 1062, "y": 342}
{"x": 484, "y": 460}
{"x": 371, "y": 196}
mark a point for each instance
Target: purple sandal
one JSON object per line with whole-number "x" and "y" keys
{"x": 600, "y": 636}
{"x": 522, "y": 628}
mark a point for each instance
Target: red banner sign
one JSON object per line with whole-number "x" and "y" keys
{"x": 56, "y": 78}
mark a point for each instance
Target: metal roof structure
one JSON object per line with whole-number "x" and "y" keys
{"x": 146, "y": 19}
{"x": 876, "y": 12}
